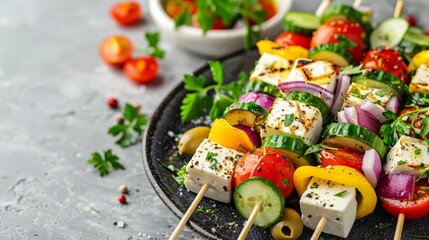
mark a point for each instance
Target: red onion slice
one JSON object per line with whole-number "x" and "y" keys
{"x": 325, "y": 95}
{"x": 361, "y": 117}
{"x": 393, "y": 104}
{"x": 253, "y": 134}
{"x": 343, "y": 84}
{"x": 341, "y": 117}
{"x": 263, "y": 100}
{"x": 373, "y": 109}
{"x": 399, "y": 186}
{"x": 371, "y": 166}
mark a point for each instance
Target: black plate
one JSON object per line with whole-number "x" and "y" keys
{"x": 159, "y": 145}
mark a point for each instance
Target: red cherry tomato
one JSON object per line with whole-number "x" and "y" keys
{"x": 293, "y": 39}
{"x": 270, "y": 164}
{"x": 126, "y": 13}
{"x": 328, "y": 32}
{"x": 141, "y": 69}
{"x": 342, "y": 156}
{"x": 174, "y": 8}
{"x": 269, "y": 7}
{"x": 413, "y": 209}
{"x": 116, "y": 50}
{"x": 387, "y": 60}
{"x": 407, "y": 110}
{"x": 411, "y": 20}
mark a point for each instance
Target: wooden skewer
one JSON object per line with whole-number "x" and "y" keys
{"x": 249, "y": 223}
{"x": 322, "y": 7}
{"x": 319, "y": 228}
{"x": 189, "y": 212}
{"x": 398, "y": 8}
{"x": 357, "y": 3}
{"x": 399, "y": 227}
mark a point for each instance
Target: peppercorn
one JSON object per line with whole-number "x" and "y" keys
{"x": 123, "y": 189}
{"x": 122, "y": 199}
{"x": 112, "y": 102}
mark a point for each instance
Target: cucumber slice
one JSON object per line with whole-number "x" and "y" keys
{"x": 332, "y": 53}
{"x": 352, "y": 136}
{"x": 348, "y": 13}
{"x": 262, "y": 87}
{"x": 311, "y": 100}
{"x": 382, "y": 79}
{"x": 389, "y": 32}
{"x": 417, "y": 98}
{"x": 294, "y": 148}
{"x": 246, "y": 113}
{"x": 263, "y": 192}
{"x": 414, "y": 42}
{"x": 301, "y": 22}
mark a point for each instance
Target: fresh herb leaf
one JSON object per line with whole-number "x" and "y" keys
{"x": 344, "y": 42}
{"x": 201, "y": 209}
{"x": 420, "y": 236}
{"x": 318, "y": 147}
{"x": 213, "y": 161}
{"x": 217, "y": 71}
{"x": 105, "y": 163}
{"x": 351, "y": 70}
{"x": 94, "y": 209}
{"x": 417, "y": 151}
{"x": 210, "y": 155}
{"x": 289, "y": 119}
{"x": 131, "y": 130}
{"x": 383, "y": 225}
{"x": 401, "y": 162}
{"x": 389, "y": 115}
{"x": 286, "y": 181}
{"x": 383, "y": 92}
{"x": 340, "y": 194}
{"x": 154, "y": 50}
{"x": 184, "y": 18}
{"x": 178, "y": 173}
{"x": 356, "y": 93}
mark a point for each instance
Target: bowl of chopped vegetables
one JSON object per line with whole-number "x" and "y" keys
{"x": 217, "y": 28}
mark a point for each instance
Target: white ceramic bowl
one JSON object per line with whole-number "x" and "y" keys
{"x": 214, "y": 43}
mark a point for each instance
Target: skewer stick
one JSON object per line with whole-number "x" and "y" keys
{"x": 319, "y": 228}
{"x": 399, "y": 227}
{"x": 357, "y": 3}
{"x": 189, "y": 212}
{"x": 249, "y": 223}
{"x": 398, "y": 8}
{"x": 322, "y": 7}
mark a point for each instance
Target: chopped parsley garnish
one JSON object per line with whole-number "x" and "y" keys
{"x": 289, "y": 119}
{"x": 417, "y": 151}
{"x": 383, "y": 225}
{"x": 178, "y": 173}
{"x": 286, "y": 181}
{"x": 210, "y": 155}
{"x": 420, "y": 236}
{"x": 401, "y": 162}
{"x": 212, "y": 160}
{"x": 340, "y": 194}
{"x": 152, "y": 38}
{"x": 356, "y": 93}
{"x": 201, "y": 209}
{"x": 318, "y": 147}
{"x": 104, "y": 164}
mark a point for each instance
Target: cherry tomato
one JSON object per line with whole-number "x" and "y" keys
{"x": 270, "y": 164}
{"x": 387, "y": 60}
{"x": 407, "y": 110}
{"x": 141, "y": 69}
{"x": 328, "y": 33}
{"x": 174, "y": 8}
{"x": 413, "y": 209}
{"x": 269, "y": 7}
{"x": 293, "y": 39}
{"x": 126, "y": 13}
{"x": 417, "y": 120}
{"x": 342, "y": 156}
{"x": 116, "y": 50}
{"x": 411, "y": 20}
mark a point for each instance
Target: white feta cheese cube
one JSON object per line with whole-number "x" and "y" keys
{"x": 271, "y": 69}
{"x": 408, "y": 155}
{"x": 358, "y": 92}
{"x": 287, "y": 117}
{"x": 322, "y": 73}
{"x": 212, "y": 164}
{"x": 420, "y": 81}
{"x": 334, "y": 201}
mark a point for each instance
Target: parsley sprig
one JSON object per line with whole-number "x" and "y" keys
{"x": 131, "y": 130}
{"x": 153, "y": 49}
{"x": 404, "y": 125}
{"x": 104, "y": 164}
{"x": 199, "y": 98}
{"x": 178, "y": 173}
{"x": 351, "y": 70}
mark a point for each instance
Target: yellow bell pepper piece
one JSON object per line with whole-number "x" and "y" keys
{"x": 342, "y": 175}
{"x": 228, "y": 136}
{"x": 290, "y": 53}
{"x": 419, "y": 59}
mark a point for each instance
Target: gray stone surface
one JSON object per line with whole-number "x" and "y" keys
{"x": 53, "y": 88}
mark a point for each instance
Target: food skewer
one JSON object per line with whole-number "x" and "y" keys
{"x": 322, "y": 7}
{"x": 398, "y": 8}
{"x": 319, "y": 228}
{"x": 189, "y": 212}
{"x": 357, "y": 3}
{"x": 249, "y": 223}
{"x": 399, "y": 226}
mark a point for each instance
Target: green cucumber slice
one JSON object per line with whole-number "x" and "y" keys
{"x": 352, "y": 136}
{"x": 266, "y": 194}
{"x": 414, "y": 41}
{"x": 246, "y": 113}
{"x": 301, "y": 22}
{"x": 262, "y": 87}
{"x": 294, "y": 148}
{"x": 382, "y": 79}
{"x": 389, "y": 32}
{"x": 332, "y": 53}
{"x": 348, "y": 13}
{"x": 311, "y": 100}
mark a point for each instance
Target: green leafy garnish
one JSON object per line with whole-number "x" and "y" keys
{"x": 213, "y": 161}
{"x": 106, "y": 163}
{"x": 383, "y": 225}
{"x": 340, "y": 194}
{"x": 131, "y": 130}
{"x": 201, "y": 209}
{"x": 178, "y": 173}
{"x": 286, "y": 181}
{"x": 289, "y": 119}
{"x": 344, "y": 42}
{"x": 351, "y": 70}
{"x": 153, "y": 49}
{"x": 420, "y": 236}
{"x": 94, "y": 209}
{"x": 198, "y": 99}
{"x": 184, "y": 18}
{"x": 401, "y": 162}
{"x": 318, "y": 147}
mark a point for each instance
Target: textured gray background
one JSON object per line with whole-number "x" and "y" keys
{"x": 53, "y": 88}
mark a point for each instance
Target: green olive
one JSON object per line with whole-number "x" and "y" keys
{"x": 289, "y": 227}
{"x": 191, "y": 139}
